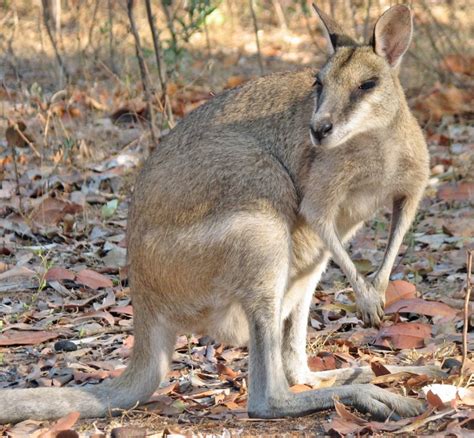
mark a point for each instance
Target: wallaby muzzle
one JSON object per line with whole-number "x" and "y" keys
{"x": 321, "y": 129}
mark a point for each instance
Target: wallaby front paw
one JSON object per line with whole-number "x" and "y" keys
{"x": 370, "y": 305}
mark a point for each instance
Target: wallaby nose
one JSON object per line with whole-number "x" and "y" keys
{"x": 323, "y": 129}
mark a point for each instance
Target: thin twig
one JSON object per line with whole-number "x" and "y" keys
{"x": 171, "y": 29}
{"x": 167, "y": 110}
{"x": 92, "y": 27}
{"x": 143, "y": 70}
{"x": 255, "y": 27}
{"x": 47, "y": 22}
{"x": 113, "y": 65}
{"x": 466, "y": 311}
{"x": 26, "y": 140}
{"x": 15, "y": 168}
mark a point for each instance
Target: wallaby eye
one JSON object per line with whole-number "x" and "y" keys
{"x": 367, "y": 85}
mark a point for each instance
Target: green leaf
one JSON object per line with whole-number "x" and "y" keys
{"x": 108, "y": 209}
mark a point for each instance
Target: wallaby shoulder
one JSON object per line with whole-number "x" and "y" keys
{"x": 233, "y": 151}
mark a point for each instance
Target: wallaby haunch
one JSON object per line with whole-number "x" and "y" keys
{"x": 237, "y": 212}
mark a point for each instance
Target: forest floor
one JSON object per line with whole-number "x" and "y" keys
{"x": 65, "y": 311}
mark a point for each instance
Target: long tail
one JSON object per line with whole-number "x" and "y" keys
{"x": 148, "y": 365}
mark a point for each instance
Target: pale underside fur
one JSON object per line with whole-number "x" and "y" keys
{"x": 236, "y": 215}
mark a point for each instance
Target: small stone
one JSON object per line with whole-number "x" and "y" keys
{"x": 205, "y": 341}
{"x": 65, "y": 345}
{"x": 437, "y": 170}
{"x": 451, "y": 364}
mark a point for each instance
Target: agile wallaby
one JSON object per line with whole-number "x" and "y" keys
{"x": 237, "y": 212}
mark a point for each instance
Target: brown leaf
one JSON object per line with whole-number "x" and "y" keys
{"x": 434, "y": 400}
{"x": 235, "y": 81}
{"x": 17, "y": 271}
{"x": 122, "y": 310}
{"x": 168, "y": 389}
{"x": 392, "y": 378}
{"x": 58, "y": 274}
{"x": 80, "y": 377}
{"x": 397, "y": 290}
{"x": 52, "y": 210}
{"x": 344, "y": 413}
{"x": 14, "y": 337}
{"x": 379, "y": 369}
{"x": 93, "y": 279}
{"x": 343, "y": 427}
{"x": 63, "y": 424}
{"x": 422, "y": 307}
{"x": 225, "y": 371}
{"x": 300, "y": 388}
{"x": 416, "y": 381}
{"x": 463, "y": 191}
{"x": 443, "y": 101}
{"x": 13, "y": 136}
{"x": 96, "y": 314}
{"x": 459, "y": 64}
{"x": 404, "y": 335}
{"x": 322, "y": 362}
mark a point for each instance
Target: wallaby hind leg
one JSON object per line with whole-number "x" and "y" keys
{"x": 295, "y": 326}
{"x": 295, "y": 362}
{"x": 269, "y": 394}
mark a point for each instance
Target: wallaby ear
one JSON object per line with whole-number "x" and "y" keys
{"x": 392, "y": 34}
{"x": 333, "y": 32}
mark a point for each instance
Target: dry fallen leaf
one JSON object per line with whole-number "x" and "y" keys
{"x": 398, "y": 290}
{"x": 63, "y": 424}
{"x": 58, "y": 274}
{"x": 439, "y": 395}
{"x": 52, "y": 210}
{"x": 93, "y": 279}
{"x": 225, "y": 371}
{"x": 403, "y": 335}
{"x": 463, "y": 191}
{"x": 459, "y": 64}
{"x": 24, "y": 337}
{"x": 379, "y": 369}
{"x": 300, "y": 388}
{"x": 235, "y": 81}
{"x": 422, "y": 307}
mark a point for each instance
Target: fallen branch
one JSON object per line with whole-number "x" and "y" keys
{"x": 466, "y": 311}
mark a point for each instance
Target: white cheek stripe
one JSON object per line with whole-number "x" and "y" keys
{"x": 357, "y": 123}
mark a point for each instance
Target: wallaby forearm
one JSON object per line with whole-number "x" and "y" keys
{"x": 403, "y": 213}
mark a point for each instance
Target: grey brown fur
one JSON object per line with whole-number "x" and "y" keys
{"x": 236, "y": 214}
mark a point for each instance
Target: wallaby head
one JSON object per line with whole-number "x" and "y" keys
{"x": 357, "y": 90}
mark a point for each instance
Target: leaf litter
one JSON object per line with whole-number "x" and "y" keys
{"x": 63, "y": 279}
